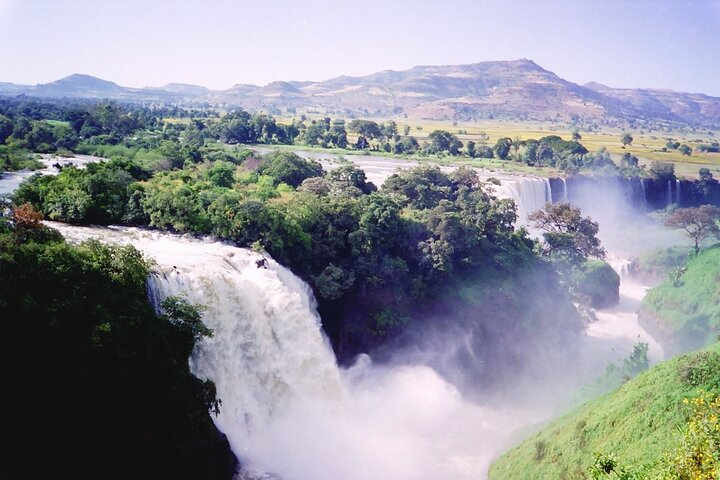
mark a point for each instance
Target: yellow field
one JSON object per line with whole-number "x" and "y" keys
{"x": 646, "y": 145}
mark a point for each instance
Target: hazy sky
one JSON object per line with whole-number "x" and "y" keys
{"x": 217, "y": 43}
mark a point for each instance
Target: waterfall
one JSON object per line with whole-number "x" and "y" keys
{"x": 530, "y": 194}
{"x": 287, "y": 409}
{"x": 548, "y": 191}
{"x": 267, "y": 346}
{"x": 644, "y": 196}
{"x": 565, "y": 197}
{"x": 678, "y": 197}
{"x": 669, "y": 193}
{"x": 621, "y": 266}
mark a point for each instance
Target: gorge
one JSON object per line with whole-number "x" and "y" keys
{"x": 282, "y": 390}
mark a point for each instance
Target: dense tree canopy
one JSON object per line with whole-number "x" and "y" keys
{"x": 104, "y": 380}
{"x": 567, "y": 234}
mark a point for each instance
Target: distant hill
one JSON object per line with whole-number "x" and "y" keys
{"x": 517, "y": 89}
{"x": 78, "y": 85}
{"x": 185, "y": 89}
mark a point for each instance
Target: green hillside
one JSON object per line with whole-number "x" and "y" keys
{"x": 640, "y": 425}
{"x": 685, "y": 309}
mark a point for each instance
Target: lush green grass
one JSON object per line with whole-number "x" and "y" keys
{"x": 690, "y": 303}
{"x": 659, "y": 263}
{"x": 57, "y": 123}
{"x": 145, "y": 157}
{"x": 638, "y": 423}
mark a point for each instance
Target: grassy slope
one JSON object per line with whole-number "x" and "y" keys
{"x": 638, "y": 423}
{"x": 691, "y": 309}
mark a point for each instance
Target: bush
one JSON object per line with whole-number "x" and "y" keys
{"x": 598, "y": 282}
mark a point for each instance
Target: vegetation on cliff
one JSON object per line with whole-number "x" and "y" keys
{"x": 661, "y": 425}
{"x": 92, "y": 372}
{"x": 686, "y": 306}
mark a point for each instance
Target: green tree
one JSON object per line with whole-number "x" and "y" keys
{"x": 502, "y": 147}
{"x": 662, "y": 170}
{"x": 366, "y": 128}
{"x": 471, "y": 149}
{"x": 626, "y": 139}
{"x": 440, "y": 141}
{"x": 568, "y": 236}
{"x": 698, "y": 223}
{"x": 314, "y": 134}
{"x": 289, "y": 168}
{"x": 221, "y": 174}
{"x": 685, "y": 150}
{"x": 351, "y": 175}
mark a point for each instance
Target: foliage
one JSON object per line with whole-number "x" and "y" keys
{"x": 689, "y": 312}
{"x": 101, "y": 373}
{"x": 662, "y": 171}
{"x": 12, "y": 158}
{"x": 98, "y": 193}
{"x": 644, "y": 429}
{"x": 597, "y": 282}
{"x": 568, "y": 237}
{"x": 289, "y": 168}
{"x": 442, "y": 141}
{"x": 697, "y": 454}
{"x": 659, "y": 263}
{"x": 238, "y": 126}
{"x": 699, "y": 223}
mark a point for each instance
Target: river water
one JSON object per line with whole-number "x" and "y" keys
{"x": 10, "y": 181}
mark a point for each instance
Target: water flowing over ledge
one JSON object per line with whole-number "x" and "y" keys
{"x": 287, "y": 409}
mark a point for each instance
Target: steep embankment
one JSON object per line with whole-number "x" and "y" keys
{"x": 685, "y": 309}
{"x": 96, "y": 385}
{"x": 638, "y": 423}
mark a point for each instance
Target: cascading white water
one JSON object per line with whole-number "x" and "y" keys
{"x": 548, "y": 191}
{"x": 287, "y": 409}
{"x": 621, "y": 266}
{"x": 257, "y": 315}
{"x": 678, "y": 196}
{"x": 620, "y": 323}
{"x": 644, "y": 196}
{"x": 529, "y": 193}
{"x": 565, "y": 196}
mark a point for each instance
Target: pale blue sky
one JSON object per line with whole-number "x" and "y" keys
{"x": 217, "y": 43}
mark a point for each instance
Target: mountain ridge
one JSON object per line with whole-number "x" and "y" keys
{"x": 514, "y": 89}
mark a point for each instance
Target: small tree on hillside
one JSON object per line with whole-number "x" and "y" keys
{"x": 568, "y": 236}
{"x": 626, "y": 139}
{"x": 699, "y": 223}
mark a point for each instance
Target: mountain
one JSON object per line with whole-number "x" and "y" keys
{"x": 517, "y": 89}
{"x": 185, "y": 89}
{"x": 78, "y": 85}
{"x": 693, "y": 108}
